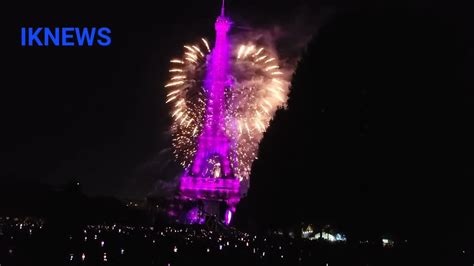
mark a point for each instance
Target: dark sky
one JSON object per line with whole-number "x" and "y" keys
{"x": 97, "y": 114}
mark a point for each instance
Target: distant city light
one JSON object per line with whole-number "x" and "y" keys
{"x": 387, "y": 242}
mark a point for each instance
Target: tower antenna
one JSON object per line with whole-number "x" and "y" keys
{"x": 222, "y": 9}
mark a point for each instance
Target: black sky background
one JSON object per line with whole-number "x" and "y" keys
{"x": 97, "y": 114}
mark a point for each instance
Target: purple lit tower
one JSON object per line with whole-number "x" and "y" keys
{"x": 210, "y": 178}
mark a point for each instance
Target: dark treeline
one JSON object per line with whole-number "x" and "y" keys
{"x": 65, "y": 206}
{"x": 410, "y": 174}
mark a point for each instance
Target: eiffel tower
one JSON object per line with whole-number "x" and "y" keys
{"x": 210, "y": 178}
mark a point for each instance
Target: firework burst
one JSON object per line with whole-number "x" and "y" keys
{"x": 256, "y": 88}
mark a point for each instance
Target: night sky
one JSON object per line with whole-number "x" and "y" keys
{"x": 97, "y": 114}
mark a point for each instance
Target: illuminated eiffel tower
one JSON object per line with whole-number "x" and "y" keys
{"x": 211, "y": 178}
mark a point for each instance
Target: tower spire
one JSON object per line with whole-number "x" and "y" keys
{"x": 223, "y": 8}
